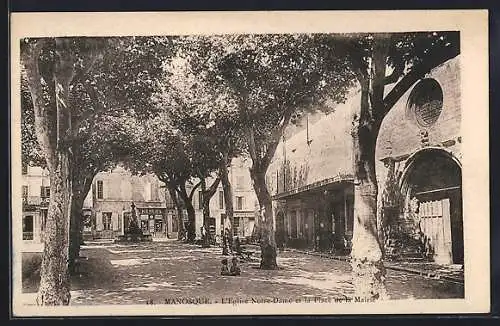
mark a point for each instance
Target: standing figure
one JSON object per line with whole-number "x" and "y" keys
{"x": 204, "y": 237}
{"x": 225, "y": 249}
{"x": 134, "y": 222}
{"x": 229, "y": 240}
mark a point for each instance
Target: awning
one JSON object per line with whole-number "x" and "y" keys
{"x": 319, "y": 185}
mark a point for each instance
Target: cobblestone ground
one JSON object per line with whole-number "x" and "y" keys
{"x": 136, "y": 274}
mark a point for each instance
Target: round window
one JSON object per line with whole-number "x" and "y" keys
{"x": 426, "y": 102}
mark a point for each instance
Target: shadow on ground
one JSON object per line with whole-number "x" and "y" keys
{"x": 135, "y": 274}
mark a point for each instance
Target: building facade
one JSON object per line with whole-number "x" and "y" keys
{"x": 244, "y": 202}
{"x": 35, "y": 203}
{"x": 420, "y": 170}
{"x": 418, "y": 163}
{"x": 113, "y": 194}
{"x": 312, "y": 184}
{"x": 107, "y": 207}
{"x": 36, "y": 193}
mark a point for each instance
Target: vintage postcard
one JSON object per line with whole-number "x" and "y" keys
{"x": 250, "y": 163}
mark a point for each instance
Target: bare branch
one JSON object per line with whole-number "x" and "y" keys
{"x": 276, "y": 137}
{"x": 416, "y": 73}
{"x": 213, "y": 188}
{"x": 398, "y": 71}
{"x": 193, "y": 190}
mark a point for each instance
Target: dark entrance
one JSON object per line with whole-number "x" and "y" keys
{"x": 435, "y": 179}
{"x": 280, "y": 230}
{"x": 28, "y": 227}
{"x": 126, "y": 221}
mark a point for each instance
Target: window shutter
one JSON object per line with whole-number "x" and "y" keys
{"x": 105, "y": 190}
{"x": 99, "y": 223}
{"x": 114, "y": 220}
{"x": 221, "y": 199}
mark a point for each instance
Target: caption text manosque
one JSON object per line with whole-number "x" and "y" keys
{"x": 257, "y": 300}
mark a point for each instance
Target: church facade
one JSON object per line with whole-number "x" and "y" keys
{"x": 418, "y": 164}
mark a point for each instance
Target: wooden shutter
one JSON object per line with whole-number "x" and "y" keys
{"x": 99, "y": 224}
{"x": 114, "y": 221}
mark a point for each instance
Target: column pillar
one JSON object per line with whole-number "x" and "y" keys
{"x": 36, "y": 227}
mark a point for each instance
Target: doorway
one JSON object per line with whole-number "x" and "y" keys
{"x": 433, "y": 181}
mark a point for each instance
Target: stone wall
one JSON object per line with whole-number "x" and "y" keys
{"x": 319, "y": 151}
{"x": 401, "y": 138}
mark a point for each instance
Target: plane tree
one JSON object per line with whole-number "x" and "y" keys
{"x": 73, "y": 82}
{"x": 207, "y": 113}
{"x": 267, "y": 81}
{"x": 180, "y": 160}
{"x": 386, "y": 65}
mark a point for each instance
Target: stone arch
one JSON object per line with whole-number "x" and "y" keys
{"x": 431, "y": 186}
{"x": 420, "y": 155}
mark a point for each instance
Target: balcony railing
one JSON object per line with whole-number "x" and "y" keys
{"x": 36, "y": 201}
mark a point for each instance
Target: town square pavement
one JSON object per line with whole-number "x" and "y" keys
{"x": 158, "y": 271}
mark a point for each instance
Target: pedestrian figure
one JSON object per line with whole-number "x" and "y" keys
{"x": 204, "y": 237}
{"x": 224, "y": 270}
{"x": 235, "y": 269}
{"x": 229, "y": 240}
{"x": 237, "y": 245}
{"x": 225, "y": 247}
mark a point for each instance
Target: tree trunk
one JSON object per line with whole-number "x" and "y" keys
{"x": 76, "y": 224}
{"x": 54, "y": 277}
{"x": 188, "y": 203}
{"x": 367, "y": 250}
{"x": 191, "y": 227}
{"x": 179, "y": 207}
{"x": 207, "y": 195}
{"x": 52, "y": 123}
{"x": 265, "y": 223}
{"x": 82, "y": 182}
{"x": 366, "y": 254}
{"x": 228, "y": 203}
{"x": 205, "y": 205}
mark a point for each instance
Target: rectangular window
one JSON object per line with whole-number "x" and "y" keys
{"x": 28, "y": 227}
{"x": 25, "y": 168}
{"x": 25, "y": 193}
{"x": 200, "y": 200}
{"x": 236, "y": 225}
{"x": 221, "y": 199}
{"x": 106, "y": 221}
{"x": 239, "y": 203}
{"x": 44, "y": 192}
{"x": 100, "y": 189}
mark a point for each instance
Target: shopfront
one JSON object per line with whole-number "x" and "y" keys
{"x": 153, "y": 221}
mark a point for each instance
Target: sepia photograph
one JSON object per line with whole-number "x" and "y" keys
{"x": 224, "y": 170}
